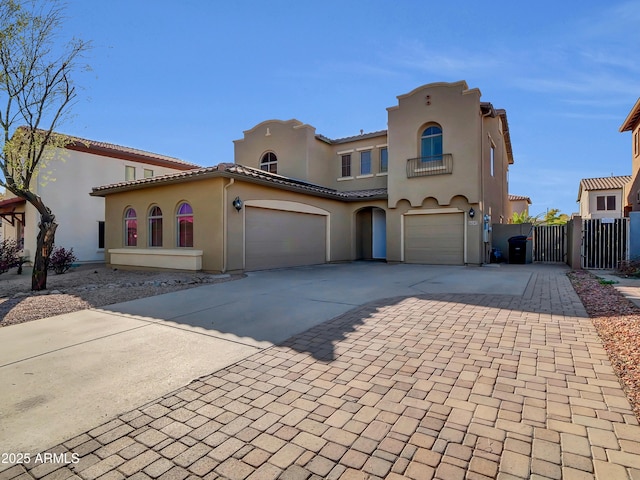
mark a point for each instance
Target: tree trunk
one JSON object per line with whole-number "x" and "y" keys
{"x": 44, "y": 247}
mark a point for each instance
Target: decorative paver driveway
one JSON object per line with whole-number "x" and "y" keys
{"x": 435, "y": 386}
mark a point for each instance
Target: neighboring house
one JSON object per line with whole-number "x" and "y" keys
{"x": 603, "y": 197}
{"x": 632, "y": 124}
{"x": 424, "y": 191}
{"x": 518, "y": 204}
{"x": 76, "y": 169}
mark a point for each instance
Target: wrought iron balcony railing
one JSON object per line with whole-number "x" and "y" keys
{"x": 434, "y": 165}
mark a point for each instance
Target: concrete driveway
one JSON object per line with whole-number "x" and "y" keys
{"x": 63, "y": 375}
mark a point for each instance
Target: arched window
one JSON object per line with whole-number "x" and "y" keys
{"x": 431, "y": 144}
{"x": 130, "y": 228}
{"x": 155, "y": 227}
{"x": 269, "y": 162}
{"x": 184, "y": 220}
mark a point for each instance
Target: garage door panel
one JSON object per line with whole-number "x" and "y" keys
{"x": 276, "y": 239}
{"x": 436, "y": 239}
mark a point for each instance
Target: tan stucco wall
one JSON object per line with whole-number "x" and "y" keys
{"x": 495, "y": 188}
{"x": 633, "y": 188}
{"x": 457, "y": 110}
{"x": 208, "y": 200}
{"x": 342, "y": 219}
{"x": 304, "y": 157}
{"x": 204, "y": 196}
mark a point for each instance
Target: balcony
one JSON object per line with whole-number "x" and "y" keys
{"x": 435, "y": 165}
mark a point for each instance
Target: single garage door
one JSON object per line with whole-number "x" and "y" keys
{"x": 277, "y": 238}
{"x": 436, "y": 239}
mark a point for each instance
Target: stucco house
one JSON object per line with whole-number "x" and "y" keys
{"x": 632, "y": 124}
{"x": 603, "y": 197}
{"x": 72, "y": 172}
{"x": 426, "y": 190}
{"x": 518, "y": 204}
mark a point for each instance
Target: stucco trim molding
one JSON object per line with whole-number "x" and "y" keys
{"x": 433, "y": 211}
{"x": 286, "y": 206}
{"x": 166, "y": 258}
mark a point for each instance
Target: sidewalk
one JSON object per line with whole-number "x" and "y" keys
{"x": 447, "y": 386}
{"x": 629, "y": 287}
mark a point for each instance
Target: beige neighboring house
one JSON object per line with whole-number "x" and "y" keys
{"x": 75, "y": 170}
{"x": 632, "y": 124}
{"x": 603, "y": 197}
{"x": 518, "y": 204}
{"x": 424, "y": 191}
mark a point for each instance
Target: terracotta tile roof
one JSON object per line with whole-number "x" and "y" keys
{"x": 516, "y": 198}
{"x": 603, "y": 183}
{"x": 250, "y": 174}
{"x": 127, "y": 153}
{"x": 363, "y": 136}
{"x": 11, "y": 202}
{"x": 632, "y": 119}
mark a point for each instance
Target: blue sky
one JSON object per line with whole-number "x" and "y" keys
{"x": 187, "y": 78}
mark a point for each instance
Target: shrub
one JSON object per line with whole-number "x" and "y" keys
{"x": 61, "y": 260}
{"x": 629, "y": 268}
{"x": 9, "y": 255}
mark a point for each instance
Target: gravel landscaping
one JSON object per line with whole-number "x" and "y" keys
{"x": 89, "y": 286}
{"x": 617, "y": 321}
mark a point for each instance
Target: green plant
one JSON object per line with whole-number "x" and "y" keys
{"x": 61, "y": 260}
{"x": 602, "y": 281}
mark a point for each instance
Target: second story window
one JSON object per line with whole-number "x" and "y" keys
{"x": 148, "y": 173}
{"x": 606, "y": 202}
{"x": 431, "y": 144}
{"x": 365, "y": 162}
{"x": 346, "y": 166}
{"x": 129, "y": 173}
{"x": 269, "y": 162}
{"x": 384, "y": 160}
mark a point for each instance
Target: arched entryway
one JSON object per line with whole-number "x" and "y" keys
{"x": 371, "y": 234}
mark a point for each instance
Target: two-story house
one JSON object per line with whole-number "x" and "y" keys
{"x": 426, "y": 190}
{"x": 632, "y": 124}
{"x": 71, "y": 174}
{"x": 603, "y": 197}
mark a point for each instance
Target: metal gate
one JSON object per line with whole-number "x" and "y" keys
{"x": 605, "y": 242}
{"x": 550, "y": 243}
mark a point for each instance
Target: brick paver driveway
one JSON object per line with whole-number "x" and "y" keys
{"x": 435, "y": 386}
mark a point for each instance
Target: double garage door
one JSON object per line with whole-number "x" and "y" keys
{"x": 278, "y": 238}
{"x": 435, "y": 239}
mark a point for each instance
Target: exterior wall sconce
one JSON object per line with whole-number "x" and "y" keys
{"x": 237, "y": 204}
{"x": 472, "y": 213}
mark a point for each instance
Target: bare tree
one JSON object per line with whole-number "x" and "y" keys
{"x": 36, "y": 91}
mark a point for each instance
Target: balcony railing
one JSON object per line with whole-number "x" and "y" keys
{"x": 434, "y": 165}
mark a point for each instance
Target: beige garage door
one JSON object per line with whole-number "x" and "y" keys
{"x": 276, "y": 239}
{"x": 436, "y": 239}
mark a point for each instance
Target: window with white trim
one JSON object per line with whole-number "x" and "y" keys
{"x": 346, "y": 165}
{"x": 384, "y": 160}
{"x": 365, "y": 162}
{"x": 605, "y": 202}
{"x": 269, "y": 162}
